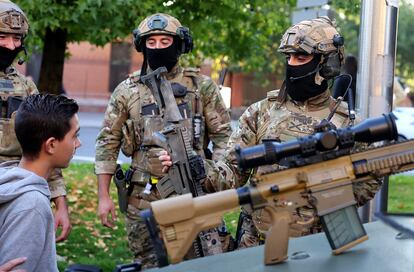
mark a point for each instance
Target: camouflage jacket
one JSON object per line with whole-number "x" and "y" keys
{"x": 270, "y": 119}
{"x": 14, "y": 84}
{"x": 127, "y": 126}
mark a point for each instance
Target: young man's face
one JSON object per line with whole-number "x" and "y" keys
{"x": 67, "y": 147}
{"x": 159, "y": 41}
{"x": 10, "y": 41}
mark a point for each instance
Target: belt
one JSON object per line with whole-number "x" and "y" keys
{"x": 140, "y": 204}
{"x": 143, "y": 178}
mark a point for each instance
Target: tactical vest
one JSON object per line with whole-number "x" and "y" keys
{"x": 12, "y": 91}
{"x": 146, "y": 117}
{"x": 286, "y": 121}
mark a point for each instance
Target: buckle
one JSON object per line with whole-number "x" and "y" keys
{"x": 153, "y": 180}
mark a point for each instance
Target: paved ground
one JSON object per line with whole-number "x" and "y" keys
{"x": 91, "y": 123}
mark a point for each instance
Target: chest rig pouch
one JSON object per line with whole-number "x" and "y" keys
{"x": 189, "y": 103}
{"x": 9, "y": 103}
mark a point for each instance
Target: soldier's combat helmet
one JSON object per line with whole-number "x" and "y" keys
{"x": 317, "y": 36}
{"x": 161, "y": 23}
{"x": 12, "y": 19}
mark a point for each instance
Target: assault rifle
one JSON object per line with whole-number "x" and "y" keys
{"x": 320, "y": 172}
{"x": 187, "y": 170}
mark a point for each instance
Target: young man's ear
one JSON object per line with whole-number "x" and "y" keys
{"x": 50, "y": 146}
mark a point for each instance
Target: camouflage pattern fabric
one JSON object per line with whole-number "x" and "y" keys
{"x": 312, "y": 37}
{"x": 270, "y": 119}
{"x": 14, "y": 84}
{"x": 139, "y": 241}
{"x": 126, "y": 127}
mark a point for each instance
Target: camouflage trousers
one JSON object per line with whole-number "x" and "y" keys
{"x": 139, "y": 240}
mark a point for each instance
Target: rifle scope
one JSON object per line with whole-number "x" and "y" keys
{"x": 270, "y": 152}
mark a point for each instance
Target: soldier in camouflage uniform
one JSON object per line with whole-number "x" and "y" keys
{"x": 314, "y": 52}
{"x": 133, "y": 115}
{"x": 13, "y": 88}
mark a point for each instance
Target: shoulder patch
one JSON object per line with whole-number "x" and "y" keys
{"x": 272, "y": 95}
{"x": 135, "y": 76}
{"x": 191, "y": 72}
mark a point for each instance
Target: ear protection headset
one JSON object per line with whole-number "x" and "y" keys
{"x": 157, "y": 25}
{"x": 331, "y": 66}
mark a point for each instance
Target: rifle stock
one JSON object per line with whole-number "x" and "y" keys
{"x": 326, "y": 185}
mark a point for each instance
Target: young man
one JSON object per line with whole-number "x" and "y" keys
{"x": 47, "y": 129}
{"x": 14, "y": 87}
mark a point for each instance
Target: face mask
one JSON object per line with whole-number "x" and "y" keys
{"x": 7, "y": 56}
{"x": 300, "y": 81}
{"x": 167, "y": 57}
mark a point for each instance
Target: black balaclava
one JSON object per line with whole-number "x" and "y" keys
{"x": 167, "y": 57}
{"x": 303, "y": 88}
{"x": 7, "y": 56}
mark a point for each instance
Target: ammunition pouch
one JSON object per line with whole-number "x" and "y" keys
{"x": 154, "y": 164}
{"x": 139, "y": 177}
{"x": 9, "y": 145}
{"x": 131, "y": 138}
{"x": 149, "y": 125}
{"x": 227, "y": 241}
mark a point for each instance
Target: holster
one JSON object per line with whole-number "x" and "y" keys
{"x": 121, "y": 182}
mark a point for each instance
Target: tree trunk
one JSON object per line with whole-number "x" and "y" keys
{"x": 51, "y": 71}
{"x": 120, "y": 63}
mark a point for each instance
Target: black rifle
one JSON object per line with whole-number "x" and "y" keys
{"x": 187, "y": 170}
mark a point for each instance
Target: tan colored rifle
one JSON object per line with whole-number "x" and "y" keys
{"x": 321, "y": 176}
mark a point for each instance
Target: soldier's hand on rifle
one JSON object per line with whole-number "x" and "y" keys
{"x": 165, "y": 160}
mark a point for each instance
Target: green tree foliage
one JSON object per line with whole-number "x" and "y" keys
{"x": 405, "y": 42}
{"x": 246, "y": 32}
{"x": 54, "y": 23}
{"x": 348, "y": 21}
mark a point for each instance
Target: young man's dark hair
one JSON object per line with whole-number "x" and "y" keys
{"x": 47, "y": 127}
{"x": 41, "y": 117}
